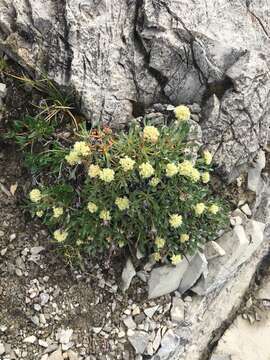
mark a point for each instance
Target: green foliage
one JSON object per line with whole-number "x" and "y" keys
{"x": 143, "y": 189}
{"x": 3, "y": 64}
{"x": 56, "y": 104}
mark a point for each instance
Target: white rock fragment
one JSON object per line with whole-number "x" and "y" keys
{"x": 213, "y": 250}
{"x": 169, "y": 343}
{"x": 72, "y": 355}
{"x": 150, "y": 312}
{"x": 157, "y": 340}
{"x": 44, "y": 298}
{"x": 165, "y": 279}
{"x": 64, "y": 335}
{"x": 2, "y": 349}
{"x": 3, "y": 90}
{"x": 197, "y": 266}
{"x": 264, "y": 292}
{"x": 254, "y": 173}
{"x": 36, "y": 250}
{"x": 177, "y": 310}
{"x": 30, "y": 339}
{"x": 246, "y": 210}
{"x": 139, "y": 340}
{"x": 129, "y": 323}
{"x": 43, "y": 343}
{"x": 127, "y": 274}
{"x": 56, "y": 355}
{"x": 97, "y": 330}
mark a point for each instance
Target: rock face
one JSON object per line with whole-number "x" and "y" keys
{"x": 122, "y": 56}
{"x": 248, "y": 339}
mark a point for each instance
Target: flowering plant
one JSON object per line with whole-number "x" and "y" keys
{"x": 143, "y": 188}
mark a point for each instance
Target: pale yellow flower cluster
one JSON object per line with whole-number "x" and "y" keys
{"x": 199, "y": 208}
{"x": 151, "y": 133}
{"x": 146, "y": 170}
{"x": 160, "y": 242}
{"x": 40, "y": 213}
{"x": 175, "y": 220}
{"x": 60, "y": 235}
{"x": 171, "y": 170}
{"x": 205, "y": 177}
{"x": 57, "y": 212}
{"x": 127, "y": 163}
{"x": 176, "y": 259}
{"x": 94, "y": 171}
{"x": 80, "y": 149}
{"x": 122, "y": 203}
{"x": 35, "y": 195}
{"x": 213, "y": 209}
{"x": 92, "y": 207}
{"x": 156, "y": 256}
{"x": 154, "y": 181}
{"x": 184, "y": 238}
{"x": 186, "y": 169}
{"x": 207, "y": 157}
{"x": 182, "y": 113}
{"x": 107, "y": 175}
{"x": 105, "y": 215}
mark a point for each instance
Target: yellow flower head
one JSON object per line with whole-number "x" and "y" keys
{"x": 205, "y": 177}
{"x": 73, "y": 158}
{"x": 194, "y": 175}
{"x": 122, "y": 203}
{"x": 121, "y": 243}
{"x": 207, "y": 156}
{"x": 175, "y": 220}
{"x": 40, "y": 213}
{"x": 171, "y": 170}
{"x": 176, "y": 259}
{"x": 105, "y": 215}
{"x": 81, "y": 148}
{"x": 184, "y": 238}
{"x": 185, "y": 168}
{"x": 154, "y": 182}
{"x": 127, "y": 163}
{"x": 92, "y": 207}
{"x": 156, "y": 256}
{"x": 146, "y": 170}
{"x": 199, "y": 208}
{"x": 57, "y": 212}
{"x": 35, "y": 195}
{"x": 94, "y": 171}
{"x": 60, "y": 235}
{"x": 107, "y": 175}
{"x": 213, "y": 209}
{"x": 150, "y": 133}
{"x": 182, "y": 113}
{"x": 159, "y": 242}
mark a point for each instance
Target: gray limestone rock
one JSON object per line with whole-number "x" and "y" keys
{"x": 239, "y": 244}
{"x": 177, "y": 310}
{"x": 254, "y": 173}
{"x": 165, "y": 279}
{"x": 127, "y": 274}
{"x": 169, "y": 343}
{"x": 212, "y": 250}
{"x": 139, "y": 340}
{"x": 197, "y": 266}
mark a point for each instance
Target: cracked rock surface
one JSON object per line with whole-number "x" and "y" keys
{"x": 122, "y": 56}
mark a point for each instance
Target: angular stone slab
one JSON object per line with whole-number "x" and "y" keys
{"x": 165, "y": 279}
